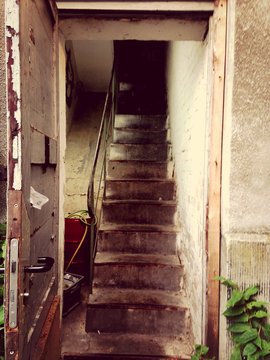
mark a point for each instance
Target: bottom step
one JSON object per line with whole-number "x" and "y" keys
{"x": 126, "y": 347}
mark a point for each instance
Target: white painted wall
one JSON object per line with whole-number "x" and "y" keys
{"x": 94, "y": 61}
{"x": 187, "y": 109}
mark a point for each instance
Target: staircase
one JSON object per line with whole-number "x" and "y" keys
{"x": 138, "y": 308}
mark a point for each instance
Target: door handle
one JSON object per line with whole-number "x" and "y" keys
{"x": 44, "y": 264}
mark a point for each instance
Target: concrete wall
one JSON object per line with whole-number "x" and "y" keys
{"x": 187, "y": 108}
{"x": 94, "y": 63}
{"x": 246, "y": 146}
{"x": 3, "y": 126}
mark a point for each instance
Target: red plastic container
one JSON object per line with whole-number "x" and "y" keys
{"x": 74, "y": 231}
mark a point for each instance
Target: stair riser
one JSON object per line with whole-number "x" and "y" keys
{"x": 139, "y": 214}
{"x": 138, "y": 321}
{"x": 134, "y": 242}
{"x": 138, "y": 276}
{"x": 146, "y": 152}
{"x": 122, "y": 136}
{"x": 140, "y": 122}
{"x": 140, "y": 190}
{"x": 140, "y": 170}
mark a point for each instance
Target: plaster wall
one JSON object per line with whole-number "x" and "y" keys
{"x": 94, "y": 63}
{"x": 187, "y": 108}
{"x": 246, "y": 145}
{"x": 70, "y": 110}
{"x": 3, "y": 126}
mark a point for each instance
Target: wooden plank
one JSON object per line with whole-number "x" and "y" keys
{"x": 214, "y": 194}
{"x": 168, "y": 29}
{"x": 48, "y": 346}
{"x": 37, "y": 147}
{"x": 137, "y": 5}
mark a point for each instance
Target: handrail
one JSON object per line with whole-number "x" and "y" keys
{"x": 106, "y": 124}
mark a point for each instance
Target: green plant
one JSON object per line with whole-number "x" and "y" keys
{"x": 200, "y": 353}
{"x": 247, "y": 319}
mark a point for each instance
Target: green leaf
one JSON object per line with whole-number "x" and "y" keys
{"x": 256, "y": 304}
{"x": 244, "y": 318}
{"x": 239, "y": 327}
{"x": 249, "y": 349}
{"x": 234, "y": 311}
{"x": 1, "y": 315}
{"x": 236, "y": 297}
{"x": 250, "y": 291}
{"x": 247, "y": 336}
{"x": 227, "y": 282}
{"x": 195, "y": 357}
{"x": 259, "y": 314}
{"x": 266, "y": 331}
{"x": 265, "y": 345}
{"x": 258, "y": 342}
{"x": 236, "y": 354}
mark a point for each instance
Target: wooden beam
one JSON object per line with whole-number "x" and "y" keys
{"x": 137, "y": 5}
{"x": 214, "y": 194}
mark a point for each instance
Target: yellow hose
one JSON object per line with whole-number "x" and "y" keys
{"x": 82, "y": 216}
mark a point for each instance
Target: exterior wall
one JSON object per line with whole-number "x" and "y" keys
{"x": 187, "y": 108}
{"x": 246, "y": 167}
{"x": 3, "y": 126}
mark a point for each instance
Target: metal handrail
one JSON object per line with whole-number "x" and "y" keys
{"x": 103, "y": 137}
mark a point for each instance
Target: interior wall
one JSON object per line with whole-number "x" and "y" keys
{"x": 187, "y": 109}
{"x": 70, "y": 110}
{"x": 3, "y": 122}
{"x": 94, "y": 63}
{"x": 246, "y": 143}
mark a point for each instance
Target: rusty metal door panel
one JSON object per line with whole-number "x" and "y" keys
{"x": 31, "y": 38}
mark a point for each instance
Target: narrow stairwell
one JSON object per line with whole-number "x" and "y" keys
{"x": 138, "y": 308}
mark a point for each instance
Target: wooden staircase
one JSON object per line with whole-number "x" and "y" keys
{"x": 138, "y": 308}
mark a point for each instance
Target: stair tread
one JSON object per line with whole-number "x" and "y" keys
{"x": 138, "y": 228}
{"x": 140, "y": 180}
{"x": 103, "y": 258}
{"x": 138, "y": 298}
{"x": 123, "y": 128}
{"x": 127, "y": 344}
{"x": 140, "y": 202}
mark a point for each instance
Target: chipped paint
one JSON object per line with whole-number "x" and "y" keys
{"x": 14, "y": 91}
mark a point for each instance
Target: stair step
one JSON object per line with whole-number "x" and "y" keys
{"x": 147, "y": 122}
{"x": 138, "y": 271}
{"x": 137, "y": 136}
{"x": 118, "y": 239}
{"x": 122, "y": 346}
{"x": 145, "y": 152}
{"x": 125, "y": 169}
{"x": 136, "y": 311}
{"x": 139, "y": 212}
{"x": 140, "y": 189}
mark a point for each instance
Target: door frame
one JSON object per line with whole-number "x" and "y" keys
{"x": 218, "y": 28}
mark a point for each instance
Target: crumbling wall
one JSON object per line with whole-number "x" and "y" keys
{"x": 246, "y": 145}
{"x": 187, "y": 109}
{"x": 3, "y": 127}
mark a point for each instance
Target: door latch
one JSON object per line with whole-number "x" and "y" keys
{"x": 44, "y": 264}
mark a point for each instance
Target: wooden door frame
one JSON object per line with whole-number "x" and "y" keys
{"x": 218, "y": 30}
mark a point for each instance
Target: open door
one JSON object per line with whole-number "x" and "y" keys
{"x": 32, "y": 235}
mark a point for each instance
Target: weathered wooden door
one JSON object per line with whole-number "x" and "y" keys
{"x": 32, "y": 251}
